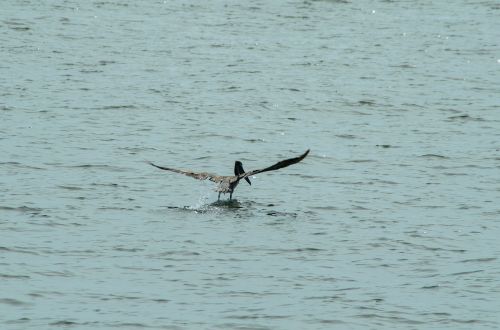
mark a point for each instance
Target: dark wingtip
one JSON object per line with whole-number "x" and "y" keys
{"x": 154, "y": 165}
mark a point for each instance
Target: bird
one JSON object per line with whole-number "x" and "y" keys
{"x": 228, "y": 183}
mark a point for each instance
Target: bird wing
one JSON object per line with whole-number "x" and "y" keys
{"x": 278, "y": 165}
{"x": 198, "y": 176}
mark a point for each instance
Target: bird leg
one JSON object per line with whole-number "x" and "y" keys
{"x": 218, "y": 198}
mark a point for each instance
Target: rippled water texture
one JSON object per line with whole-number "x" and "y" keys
{"x": 391, "y": 222}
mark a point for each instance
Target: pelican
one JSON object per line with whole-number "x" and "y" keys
{"x": 227, "y": 184}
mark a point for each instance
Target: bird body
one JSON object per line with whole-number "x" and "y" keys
{"x": 227, "y": 184}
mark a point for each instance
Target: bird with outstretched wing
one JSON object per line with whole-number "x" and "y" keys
{"x": 227, "y": 184}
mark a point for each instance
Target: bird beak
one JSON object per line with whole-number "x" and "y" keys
{"x": 248, "y": 180}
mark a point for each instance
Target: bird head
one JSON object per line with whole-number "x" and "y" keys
{"x": 238, "y": 169}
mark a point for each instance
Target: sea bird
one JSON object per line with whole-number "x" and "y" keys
{"x": 227, "y": 184}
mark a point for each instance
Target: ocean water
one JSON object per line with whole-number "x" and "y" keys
{"x": 391, "y": 222}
